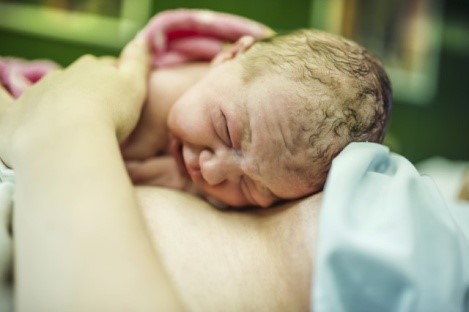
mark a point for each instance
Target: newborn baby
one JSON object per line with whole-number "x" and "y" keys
{"x": 263, "y": 122}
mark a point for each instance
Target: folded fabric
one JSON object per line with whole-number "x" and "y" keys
{"x": 16, "y": 74}
{"x": 183, "y": 35}
{"x": 387, "y": 239}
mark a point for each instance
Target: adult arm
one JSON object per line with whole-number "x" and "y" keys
{"x": 80, "y": 240}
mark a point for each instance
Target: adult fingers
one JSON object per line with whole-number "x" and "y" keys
{"x": 108, "y": 60}
{"x": 5, "y": 98}
{"x": 134, "y": 62}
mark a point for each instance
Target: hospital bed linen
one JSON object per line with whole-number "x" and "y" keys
{"x": 388, "y": 241}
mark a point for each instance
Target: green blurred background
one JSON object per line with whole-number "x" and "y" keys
{"x": 439, "y": 126}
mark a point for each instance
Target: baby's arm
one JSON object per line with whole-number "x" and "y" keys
{"x": 145, "y": 152}
{"x": 151, "y": 136}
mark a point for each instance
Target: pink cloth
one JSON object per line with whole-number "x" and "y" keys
{"x": 16, "y": 75}
{"x": 183, "y": 35}
{"x": 176, "y": 36}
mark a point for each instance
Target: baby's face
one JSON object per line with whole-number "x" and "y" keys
{"x": 237, "y": 141}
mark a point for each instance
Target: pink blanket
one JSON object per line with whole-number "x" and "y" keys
{"x": 175, "y": 36}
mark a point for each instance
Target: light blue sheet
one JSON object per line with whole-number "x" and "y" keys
{"x": 387, "y": 240}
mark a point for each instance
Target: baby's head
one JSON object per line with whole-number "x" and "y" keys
{"x": 265, "y": 123}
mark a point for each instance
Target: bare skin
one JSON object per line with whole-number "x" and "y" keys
{"x": 230, "y": 140}
{"x": 205, "y": 249}
{"x": 147, "y": 150}
{"x": 166, "y": 85}
{"x": 69, "y": 254}
{"x": 259, "y": 260}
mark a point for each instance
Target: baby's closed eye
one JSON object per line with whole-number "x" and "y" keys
{"x": 221, "y": 128}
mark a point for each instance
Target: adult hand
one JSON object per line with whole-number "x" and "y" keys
{"x": 5, "y": 99}
{"x": 91, "y": 91}
{"x": 61, "y": 138}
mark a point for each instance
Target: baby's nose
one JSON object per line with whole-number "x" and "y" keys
{"x": 217, "y": 168}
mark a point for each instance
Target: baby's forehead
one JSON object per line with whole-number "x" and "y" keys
{"x": 279, "y": 158}
{"x": 280, "y": 106}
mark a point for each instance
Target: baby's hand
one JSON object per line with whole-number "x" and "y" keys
{"x": 158, "y": 171}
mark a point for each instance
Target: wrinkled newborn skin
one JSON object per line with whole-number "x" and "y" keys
{"x": 234, "y": 138}
{"x": 229, "y": 140}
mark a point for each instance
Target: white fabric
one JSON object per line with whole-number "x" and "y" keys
{"x": 387, "y": 239}
{"x": 6, "y": 246}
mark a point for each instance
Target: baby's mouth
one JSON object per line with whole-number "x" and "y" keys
{"x": 176, "y": 151}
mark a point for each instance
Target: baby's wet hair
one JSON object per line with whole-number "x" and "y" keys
{"x": 344, "y": 91}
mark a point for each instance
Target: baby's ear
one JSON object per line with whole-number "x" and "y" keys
{"x": 242, "y": 45}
